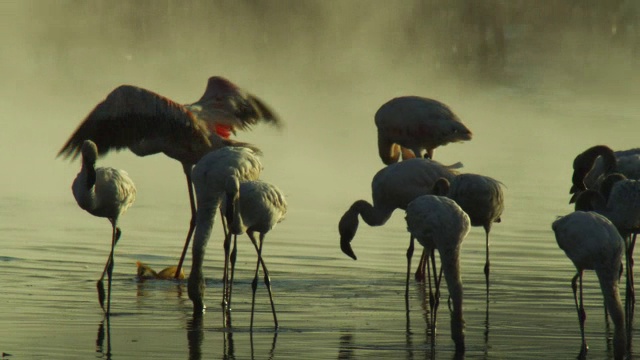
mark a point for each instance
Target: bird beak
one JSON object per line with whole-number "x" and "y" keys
{"x": 345, "y": 246}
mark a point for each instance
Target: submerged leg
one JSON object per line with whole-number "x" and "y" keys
{"x": 267, "y": 279}
{"x": 192, "y": 223}
{"x": 110, "y": 266}
{"x": 115, "y": 236}
{"x": 254, "y": 283}
{"x": 420, "y": 270}
{"x": 225, "y": 277}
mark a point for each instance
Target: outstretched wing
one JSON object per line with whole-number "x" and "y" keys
{"x": 130, "y": 115}
{"x": 225, "y": 103}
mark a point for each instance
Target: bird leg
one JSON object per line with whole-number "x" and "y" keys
{"x": 254, "y": 283}
{"x": 100, "y": 285}
{"x": 192, "y": 223}
{"x": 419, "y": 276}
{"x": 234, "y": 255}
{"x": 409, "y": 256}
{"x": 267, "y": 279}
{"x": 630, "y": 287}
{"x": 487, "y": 264}
{"x": 582, "y": 316}
{"x": 436, "y": 297}
{"x": 225, "y": 276}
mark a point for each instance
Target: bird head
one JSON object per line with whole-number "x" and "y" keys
{"x": 89, "y": 152}
{"x": 347, "y": 227}
{"x": 441, "y": 187}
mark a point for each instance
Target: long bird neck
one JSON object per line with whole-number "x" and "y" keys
{"x": 84, "y": 187}
{"x": 609, "y": 286}
{"x": 451, "y": 268}
{"x": 372, "y": 215}
{"x": 205, "y": 217}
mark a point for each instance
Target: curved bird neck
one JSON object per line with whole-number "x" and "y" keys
{"x": 609, "y": 286}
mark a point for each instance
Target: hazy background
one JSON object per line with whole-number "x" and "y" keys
{"x": 536, "y": 81}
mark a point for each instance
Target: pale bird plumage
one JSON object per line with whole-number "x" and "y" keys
{"x": 210, "y": 178}
{"x": 592, "y": 242}
{"x": 103, "y": 192}
{"x": 438, "y": 223}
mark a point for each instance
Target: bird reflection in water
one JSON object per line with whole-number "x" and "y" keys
{"x": 195, "y": 337}
{"x": 104, "y": 332}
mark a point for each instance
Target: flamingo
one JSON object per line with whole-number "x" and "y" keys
{"x": 213, "y": 175}
{"x": 393, "y": 187}
{"x": 416, "y": 123}
{"x": 594, "y": 164}
{"x": 622, "y": 208}
{"x": 592, "y": 242}
{"x": 439, "y": 223}
{"x": 148, "y": 123}
{"x": 257, "y": 206}
{"x": 103, "y": 192}
{"x": 481, "y": 198}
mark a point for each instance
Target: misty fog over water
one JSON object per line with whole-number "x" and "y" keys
{"x": 536, "y": 81}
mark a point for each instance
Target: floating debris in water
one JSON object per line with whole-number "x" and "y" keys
{"x": 146, "y": 273}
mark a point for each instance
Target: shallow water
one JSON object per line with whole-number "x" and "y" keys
{"x": 527, "y": 128}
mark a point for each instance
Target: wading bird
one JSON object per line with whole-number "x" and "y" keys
{"x": 592, "y": 242}
{"x": 481, "y": 198}
{"x": 213, "y": 175}
{"x": 256, "y": 206}
{"x": 148, "y": 123}
{"x": 416, "y": 123}
{"x": 622, "y": 208}
{"x": 393, "y": 187}
{"x": 103, "y": 192}
{"x": 439, "y": 223}
{"x": 594, "y": 164}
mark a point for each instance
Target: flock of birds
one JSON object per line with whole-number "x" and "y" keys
{"x": 441, "y": 203}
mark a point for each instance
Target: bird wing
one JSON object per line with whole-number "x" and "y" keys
{"x": 130, "y": 115}
{"x": 225, "y": 103}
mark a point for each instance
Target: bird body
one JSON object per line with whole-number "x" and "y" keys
{"x": 437, "y": 222}
{"x": 393, "y": 187}
{"x": 416, "y": 123}
{"x": 481, "y": 197}
{"x": 622, "y": 206}
{"x": 262, "y": 206}
{"x": 211, "y": 177}
{"x": 593, "y": 165}
{"x": 103, "y": 192}
{"x": 108, "y": 193}
{"x": 592, "y": 242}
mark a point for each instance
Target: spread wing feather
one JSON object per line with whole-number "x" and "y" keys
{"x": 130, "y": 115}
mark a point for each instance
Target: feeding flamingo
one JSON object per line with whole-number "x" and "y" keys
{"x": 416, "y": 123}
{"x": 103, "y": 192}
{"x": 148, "y": 123}
{"x": 481, "y": 197}
{"x": 439, "y": 223}
{"x": 594, "y": 164}
{"x": 393, "y": 187}
{"x": 256, "y": 206}
{"x": 622, "y": 208}
{"x": 212, "y": 177}
{"x": 592, "y": 242}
